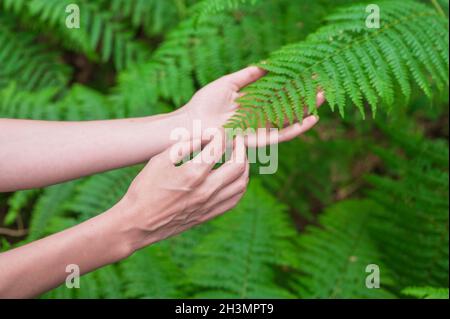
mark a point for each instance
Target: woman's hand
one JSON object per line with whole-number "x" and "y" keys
{"x": 163, "y": 200}
{"x": 214, "y": 104}
{"x": 166, "y": 199}
{"x": 67, "y": 150}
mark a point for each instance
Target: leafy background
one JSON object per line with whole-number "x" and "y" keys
{"x": 352, "y": 192}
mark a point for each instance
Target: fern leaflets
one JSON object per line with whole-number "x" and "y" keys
{"x": 207, "y": 7}
{"x": 100, "y": 36}
{"x": 426, "y": 292}
{"x": 243, "y": 251}
{"x": 402, "y": 227}
{"x": 333, "y": 258}
{"x": 397, "y": 218}
{"x": 164, "y": 280}
{"x": 411, "y": 226}
{"x": 351, "y": 63}
{"x": 32, "y": 65}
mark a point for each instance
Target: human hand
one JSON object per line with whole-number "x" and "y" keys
{"x": 165, "y": 199}
{"x": 214, "y": 104}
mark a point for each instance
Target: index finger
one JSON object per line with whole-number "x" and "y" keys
{"x": 245, "y": 76}
{"x": 210, "y": 155}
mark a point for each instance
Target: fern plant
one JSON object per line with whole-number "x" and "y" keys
{"x": 207, "y": 8}
{"x": 311, "y": 229}
{"x": 199, "y": 53}
{"x": 166, "y": 278}
{"x": 350, "y": 61}
{"x": 426, "y": 292}
{"x": 100, "y": 37}
{"x": 32, "y": 65}
{"x": 334, "y": 257}
{"x": 412, "y": 224}
{"x": 153, "y": 16}
{"x": 244, "y": 251}
{"x": 402, "y": 228}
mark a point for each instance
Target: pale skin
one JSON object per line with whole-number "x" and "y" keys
{"x": 163, "y": 200}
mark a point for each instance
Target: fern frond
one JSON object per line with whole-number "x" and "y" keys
{"x": 182, "y": 247}
{"x": 81, "y": 103}
{"x": 39, "y": 105}
{"x": 333, "y": 258}
{"x": 150, "y": 273}
{"x": 102, "y": 283}
{"x": 206, "y": 8}
{"x": 16, "y": 203}
{"x": 100, "y": 37}
{"x": 49, "y": 17}
{"x": 426, "y": 292}
{"x": 322, "y": 161}
{"x": 352, "y": 63}
{"x": 49, "y": 205}
{"x": 244, "y": 250}
{"x": 412, "y": 226}
{"x": 100, "y": 192}
{"x": 78, "y": 103}
{"x": 26, "y": 61}
{"x": 198, "y": 54}
{"x": 154, "y": 16}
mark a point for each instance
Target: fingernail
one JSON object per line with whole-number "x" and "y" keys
{"x": 313, "y": 118}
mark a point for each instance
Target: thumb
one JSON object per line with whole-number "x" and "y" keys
{"x": 245, "y": 76}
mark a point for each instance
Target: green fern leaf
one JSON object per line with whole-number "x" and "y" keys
{"x": 352, "y": 63}
{"x": 334, "y": 257}
{"x": 206, "y": 8}
{"x": 150, "y": 273}
{"x": 426, "y": 292}
{"x": 244, "y": 250}
{"x": 100, "y": 192}
{"x": 32, "y": 65}
{"x": 411, "y": 227}
{"x": 49, "y": 205}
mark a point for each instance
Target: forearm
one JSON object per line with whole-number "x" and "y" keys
{"x": 40, "y": 153}
{"x": 37, "y": 267}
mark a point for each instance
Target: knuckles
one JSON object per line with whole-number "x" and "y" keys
{"x": 193, "y": 175}
{"x": 156, "y": 160}
{"x": 240, "y": 168}
{"x": 242, "y": 186}
{"x": 201, "y": 198}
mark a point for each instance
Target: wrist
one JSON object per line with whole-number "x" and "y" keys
{"x": 116, "y": 224}
{"x": 129, "y": 232}
{"x": 181, "y": 118}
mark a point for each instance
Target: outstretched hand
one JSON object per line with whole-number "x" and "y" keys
{"x": 165, "y": 199}
{"x": 214, "y": 104}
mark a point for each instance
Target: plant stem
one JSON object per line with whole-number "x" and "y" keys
{"x": 438, "y": 8}
{"x": 182, "y": 8}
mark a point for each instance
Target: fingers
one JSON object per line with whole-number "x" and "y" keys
{"x": 196, "y": 170}
{"x": 268, "y": 137}
{"x": 238, "y": 186}
{"x": 264, "y": 137}
{"x": 320, "y": 98}
{"x": 245, "y": 76}
{"x": 222, "y": 208}
{"x": 181, "y": 150}
{"x": 237, "y": 168}
{"x": 215, "y": 211}
{"x": 297, "y": 129}
{"x": 219, "y": 190}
